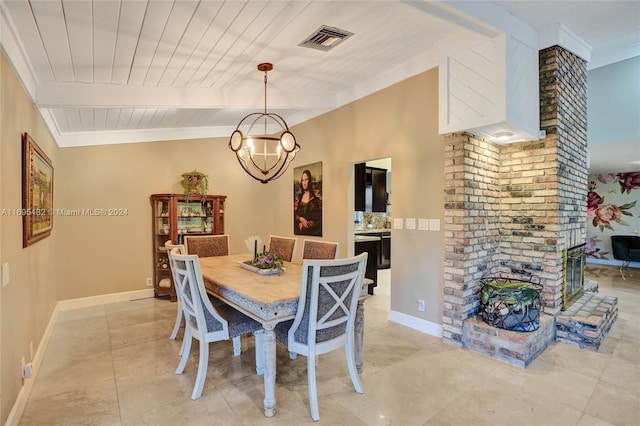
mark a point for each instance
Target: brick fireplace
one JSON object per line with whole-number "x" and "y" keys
{"x": 511, "y": 207}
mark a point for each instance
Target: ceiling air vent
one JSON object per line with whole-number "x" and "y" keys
{"x": 326, "y": 38}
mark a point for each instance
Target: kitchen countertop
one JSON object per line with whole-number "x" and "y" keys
{"x": 371, "y": 230}
{"x": 362, "y": 238}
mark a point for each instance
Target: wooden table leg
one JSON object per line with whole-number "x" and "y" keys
{"x": 269, "y": 343}
{"x": 359, "y": 335}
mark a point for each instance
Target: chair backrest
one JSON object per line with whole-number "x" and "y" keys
{"x": 329, "y": 292}
{"x": 316, "y": 249}
{"x": 207, "y": 245}
{"x": 619, "y": 248}
{"x": 199, "y": 314}
{"x": 180, "y": 250}
{"x": 283, "y": 247}
{"x": 624, "y": 245}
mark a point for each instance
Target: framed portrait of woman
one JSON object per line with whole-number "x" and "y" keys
{"x": 307, "y": 200}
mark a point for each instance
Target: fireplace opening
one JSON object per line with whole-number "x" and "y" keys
{"x": 572, "y": 274}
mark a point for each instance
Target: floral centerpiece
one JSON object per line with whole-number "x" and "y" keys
{"x": 267, "y": 261}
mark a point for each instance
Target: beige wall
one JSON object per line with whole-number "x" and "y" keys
{"x": 27, "y": 302}
{"x": 400, "y": 122}
{"x": 113, "y": 254}
{"x": 95, "y": 255}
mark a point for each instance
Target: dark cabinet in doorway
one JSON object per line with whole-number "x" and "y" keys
{"x": 383, "y": 249}
{"x": 369, "y": 245}
{"x": 370, "y": 188}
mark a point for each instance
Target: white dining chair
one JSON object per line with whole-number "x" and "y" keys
{"x": 317, "y": 249}
{"x": 204, "y": 322}
{"x": 169, "y": 246}
{"x": 325, "y": 319}
{"x": 283, "y": 247}
{"x": 210, "y": 246}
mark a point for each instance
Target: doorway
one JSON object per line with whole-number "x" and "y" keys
{"x": 372, "y": 225}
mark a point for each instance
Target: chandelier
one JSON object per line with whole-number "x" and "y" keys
{"x": 262, "y": 141}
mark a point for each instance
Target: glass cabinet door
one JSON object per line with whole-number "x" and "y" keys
{"x": 194, "y": 218}
{"x": 220, "y": 227}
{"x": 162, "y": 231}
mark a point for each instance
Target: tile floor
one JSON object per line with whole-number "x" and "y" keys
{"x": 114, "y": 365}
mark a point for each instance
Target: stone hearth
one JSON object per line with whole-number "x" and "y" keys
{"x": 587, "y": 321}
{"x": 585, "y": 324}
{"x": 513, "y": 347}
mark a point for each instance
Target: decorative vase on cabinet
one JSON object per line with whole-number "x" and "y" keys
{"x": 173, "y": 217}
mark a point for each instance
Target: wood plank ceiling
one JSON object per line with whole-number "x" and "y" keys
{"x": 111, "y": 71}
{"x": 131, "y": 65}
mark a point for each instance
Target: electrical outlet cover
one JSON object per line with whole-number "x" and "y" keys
{"x": 411, "y": 223}
{"x": 397, "y": 223}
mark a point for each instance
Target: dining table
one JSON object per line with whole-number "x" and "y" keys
{"x": 268, "y": 299}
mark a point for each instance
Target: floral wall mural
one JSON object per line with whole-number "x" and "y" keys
{"x": 612, "y": 209}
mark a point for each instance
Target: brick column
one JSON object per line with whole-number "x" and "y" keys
{"x": 529, "y": 214}
{"x": 470, "y": 226}
{"x": 563, "y": 115}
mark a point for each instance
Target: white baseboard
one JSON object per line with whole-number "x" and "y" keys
{"x": 27, "y": 385}
{"x": 103, "y": 299}
{"x": 424, "y": 326}
{"x": 63, "y": 305}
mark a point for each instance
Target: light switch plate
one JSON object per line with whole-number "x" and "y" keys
{"x": 423, "y": 224}
{"x": 397, "y": 223}
{"x": 5, "y": 274}
{"x": 434, "y": 224}
{"x": 411, "y": 223}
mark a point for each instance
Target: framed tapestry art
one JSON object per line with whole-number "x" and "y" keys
{"x": 37, "y": 192}
{"x": 307, "y": 200}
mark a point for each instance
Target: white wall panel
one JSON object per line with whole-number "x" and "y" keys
{"x": 489, "y": 87}
{"x": 473, "y": 87}
{"x": 523, "y": 107}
